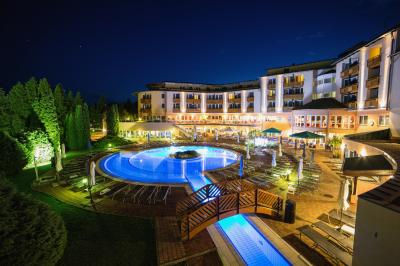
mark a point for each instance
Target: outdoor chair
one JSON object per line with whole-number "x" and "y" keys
{"x": 334, "y": 234}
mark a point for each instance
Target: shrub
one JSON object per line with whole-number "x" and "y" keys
{"x": 37, "y": 142}
{"x": 30, "y": 232}
{"x": 12, "y": 157}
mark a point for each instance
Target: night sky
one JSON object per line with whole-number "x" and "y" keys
{"x": 114, "y": 49}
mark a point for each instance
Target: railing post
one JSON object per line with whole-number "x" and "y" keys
{"x": 255, "y": 200}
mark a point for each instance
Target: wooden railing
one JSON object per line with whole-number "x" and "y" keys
{"x": 217, "y": 201}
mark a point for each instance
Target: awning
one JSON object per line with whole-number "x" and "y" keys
{"x": 278, "y": 125}
{"x": 272, "y": 130}
{"x": 307, "y": 135}
{"x": 146, "y": 126}
{"x": 375, "y": 165}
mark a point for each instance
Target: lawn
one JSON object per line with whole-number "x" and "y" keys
{"x": 98, "y": 239}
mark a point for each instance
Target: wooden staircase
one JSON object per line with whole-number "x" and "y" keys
{"x": 214, "y": 202}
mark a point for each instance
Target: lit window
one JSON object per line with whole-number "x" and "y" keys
{"x": 383, "y": 120}
{"x": 363, "y": 120}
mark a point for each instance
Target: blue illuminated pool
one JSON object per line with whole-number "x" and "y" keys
{"x": 155, "y": 165}
{"x": 251, "y": 245}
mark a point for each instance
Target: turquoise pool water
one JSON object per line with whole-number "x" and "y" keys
{"x": 155, "y": 165}
{"x": 251, "y": 245}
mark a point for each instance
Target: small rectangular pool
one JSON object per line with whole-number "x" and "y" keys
{"x": 250, "y": 244}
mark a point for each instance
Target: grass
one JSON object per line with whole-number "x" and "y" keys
{"x": 97, "y": 239}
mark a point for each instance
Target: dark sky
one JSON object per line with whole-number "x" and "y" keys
{"x": 116, "y": 47}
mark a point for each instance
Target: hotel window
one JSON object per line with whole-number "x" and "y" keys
{"x": 163, "y": 96}
{"x": 327, "y": 80}
{"x": 177, "y": 106}
{"x": 197, "y": 96}
{"x": 177, "y": 96}
{"x": 363, "y": 120}
{"x": 231, "y": 96}
{"x": 163, "y": 105}
{"x": 383, "y": 120}
{"x": 373, "y": 93}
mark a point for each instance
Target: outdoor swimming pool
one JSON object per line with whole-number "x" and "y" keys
{"x": 251, "y": 245}
{"x": 155, "y": 165}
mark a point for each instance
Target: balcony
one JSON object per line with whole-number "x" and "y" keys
{"x": 271, "y": 97}
{"x": 373, "y": 82}
{"x": 193, "y": 110}
{"x": 353, "y": 88}
{"x": 352, "y": 105}
{"x": 293, "y": 83}
{"x": 250, "y": 109}
{"x": 351, "y": 71}
{"x": 193, "y": 100}
{"x": 234, "y": 110}
{"x": 271, "y": 109}
{"x": 374, "y": 61}
{"x": 288, "y": 108}
{"x": 218, "y": 101}
{"x": 250, "y": 99}
{"x": 371, "y": 103}
{"x": 176, "y": 110}
{"x": 217, "y": 110}
{"x": 145, "y": 110}
{"x": 235, "y": 100}
{"x": 145, "y": 100}
{"x": 177, "y": 100}
{"x": 272, "y": 86}
{"x": 294, "y": 96}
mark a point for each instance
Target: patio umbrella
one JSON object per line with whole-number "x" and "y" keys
{"x": 247, "y": 152}
{"x": 300, "y": 170}
{"x": 92, "y": 180}
{"x": 306, "y": 135}
{"x": 304, "y": 151}
{"x": 195, "y": 134}
{"x": 148, "y": 136}
{"x": 273, "y": 163}
{"x": 238, "y": 138}
{"x": 216, "y": 134}
{"x": 279, "y": 150}
{"x": 271, "y": 130}
{"x": 343, "y": 195}
{"x": 312, "y": 156}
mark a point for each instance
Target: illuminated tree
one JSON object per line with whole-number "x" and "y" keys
{"x": 36, "y": 145}
{"x": 70, "y": 132}
{"x": 86, "y": 124}
{"x": 12, "y": 158}
{"x": 46, "y": 111}
{"x": 4, "y": 112}
{"x": 113, "y": 121}
{"x": 59, "y": 103}
{"x": 30, "y": 232}
{"x": 69, "y": 102}
{"x": 78, "y": 99}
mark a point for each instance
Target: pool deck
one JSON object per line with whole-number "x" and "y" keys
{"x": 201, "y": 249}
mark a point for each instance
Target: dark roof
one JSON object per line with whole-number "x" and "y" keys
{"x": 328, "y": 71}
{"x": 386, "y": 195}
{"x": 300, "y": 67}
{"x": 375, "y": 165}
{"x": 322, "y": 103}
{"x": 202, "y": 87}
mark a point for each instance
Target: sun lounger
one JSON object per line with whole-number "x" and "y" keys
{"x": 343, "y": 240}
{"x": 345, "y": 219}
{"x": 324, "y": 244}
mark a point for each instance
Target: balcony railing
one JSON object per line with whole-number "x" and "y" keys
{"x": 294, "y": 96}
{"x": 235, "y": 100}
{"x": 293, "y": 83}
{"x": 192, "y": 100}
{"x": 271, "y": 109}
{"x": 176, "y": 110}
{"x": 353, "y": 88}
{"x": 193, "y": 110}
{"x": 234, "y": 110}
{"x": 145, "y": 110}
{"x": 373, "y": 82}
{"x": 371, "y": 103}
{"x": 272, "y": 86}
{"x": 271, "y": 97}
{"x": 145, "y": 100}
{"x": 250, "y": 109}
{"x": 215, "y": 101}
{"x": 177, "y": 100}
{"x": 374, "y": 61}
{"x": 351, "y": 71}
{"x": 250, "y": 98}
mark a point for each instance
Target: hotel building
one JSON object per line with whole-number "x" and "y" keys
{"x": 356, "y": 92}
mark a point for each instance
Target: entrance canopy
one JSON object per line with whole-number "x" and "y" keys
{"x": 375, "y": 165}
{"x": 307, "y": 135}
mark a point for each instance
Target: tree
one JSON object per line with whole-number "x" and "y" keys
{"x": 78, "y": 99}
{"x": 70, "y": 132}
{"x": 69, "y": 102}
{"x": 30, "y": 232}
{"x": 79, "y": 128}
{"x": 12, "y": 158}
{"x": 86, "y": 124}
{"x": 20, "y": 108}
{"x": 59, "y": 103}
{"x": 113, "y": 121}
{"x": 4, "y": 112}
{"x": 36, "y": 146}
{"x": 46, "y": 111}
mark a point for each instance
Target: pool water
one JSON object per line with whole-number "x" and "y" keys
{"x": 251, "y": 245}
{"x": 155, "y": 165}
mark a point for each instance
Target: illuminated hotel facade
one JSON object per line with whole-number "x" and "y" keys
{"x": 359, "y": 91}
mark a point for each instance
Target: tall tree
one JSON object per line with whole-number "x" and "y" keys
{"x": 78, "y": 99}
{"x": 20, "y": 108}
{"x": 70, "y": 131}
{"x": 4, "y": 112}
{"x": 86, "y": 124}
{"x": 113, "y": 120}
{"x": 69, "y": 102}
{"x": 46, "y": 111}
{"x": 59, "y": 103}
{"x": 79, "y": 127}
